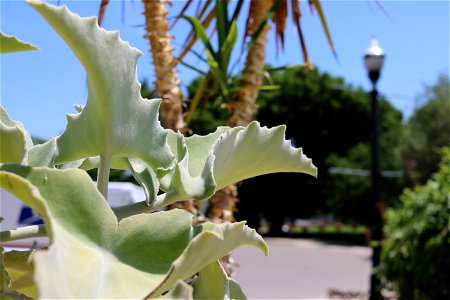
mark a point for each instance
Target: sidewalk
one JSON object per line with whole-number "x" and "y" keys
{"x": 302, "y": 269}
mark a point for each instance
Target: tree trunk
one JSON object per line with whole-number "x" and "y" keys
{"x": 223, "y": 203}
{"x": 167, "y": 82}
{"x": 243, "y": 107}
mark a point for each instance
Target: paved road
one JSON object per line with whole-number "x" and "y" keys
{"x": 302, "y": 269}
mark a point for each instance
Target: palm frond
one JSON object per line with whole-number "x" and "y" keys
{"x": 237, "y": 10}
{"x": 279, "y": 19}
{"x": 197, "y": 97}
{"x": 183, "y": 10}
{"x": 319, "y": 9}
{"x": 101, "y": 11}
{"x": 256, "y": 30}
{"x": 199, "y": 15}
{"x": 190, "y": 43}
{"x": 296, "y": 15}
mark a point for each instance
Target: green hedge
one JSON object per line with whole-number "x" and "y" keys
{"x": 416, "y": 252}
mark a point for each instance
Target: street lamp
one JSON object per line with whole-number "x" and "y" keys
{"x": 373, "y": 61}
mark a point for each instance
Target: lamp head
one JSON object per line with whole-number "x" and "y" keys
{"x": 373, "y": 60}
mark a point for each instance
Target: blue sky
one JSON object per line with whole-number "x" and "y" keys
{"x": 40, "y": 87}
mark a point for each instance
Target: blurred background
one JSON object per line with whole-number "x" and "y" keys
{"x": 299, "y": 63}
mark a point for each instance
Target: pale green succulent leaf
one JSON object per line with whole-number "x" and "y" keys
{"x": 235, "y": 290}
{"x": 181, "y": 291}
{"x": 19, "y": 266}
{"x": 23, "y": 190}
{"x": 145, "y": 254}
{"x": 247, "y": 152}
{"x": 90, "y": 163}
{"x": 15, "y": 140}
{"x": 88, "y": 247}
{"x": 198, "y": 146}
{"x": 116, "y": 120}
{"x": 12, "y": 148}
{"x": 211, "y": 242}
{"x": 43, "y": 155}
{"x": 2, "y": 269}
{"x": 189, "y": 182}
{"x": 10, "y": 44}
{"x": 207, "y": 164}
{"x": 146, "y": 177}
{"x": 17, "y": 145}
{"x": 143, "y": 174}
{"x": 212, "y": 283}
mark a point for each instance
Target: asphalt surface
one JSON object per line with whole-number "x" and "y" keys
{"x": 303, "y": 269}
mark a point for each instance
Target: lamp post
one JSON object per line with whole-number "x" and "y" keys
{"x": 373, "y": 61}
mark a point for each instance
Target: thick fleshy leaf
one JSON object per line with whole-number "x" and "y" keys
{"x": 143, "y": 174}
{"x": 17, "y": 146}
{"x": 142, "y": 255}
{"x": 90, "y": 163}
{"x": 23, "y": 190}
{"x": 43, "y": 155}
{"x": 180, "y": 179}
{"x": 235, "y": 290}
{"x": 181, "y": 291}
{"x": 197, "y": 146}
{"x": 2, "y": 269}
{"x": 116, "y": 120}
{"x": 211, "y": 239}
{"x": 15, "y": 139}
{"x": 12, "y": 149}
{"x": 19, "y": 266}
{"x": 145, "y": 177}
{"x": 10, "y": 44}
{"x": 207, "y": 164}
{"x": 212, "y": 283}
{"x": 254, "y": 151}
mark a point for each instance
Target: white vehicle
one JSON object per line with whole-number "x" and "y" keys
{"x": 17, "y": 214}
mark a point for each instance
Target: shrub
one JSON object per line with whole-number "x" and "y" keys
{"x": 415, "y": 258}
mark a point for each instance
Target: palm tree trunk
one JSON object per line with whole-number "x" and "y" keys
{"x": 223, "y": 203}
{"x": 243, "y": 108}
{"x": 167, "y": 82}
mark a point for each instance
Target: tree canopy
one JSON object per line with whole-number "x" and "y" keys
{"x": 428, "y": 131}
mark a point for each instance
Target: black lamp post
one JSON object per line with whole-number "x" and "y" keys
{"x": 373, "y": 61}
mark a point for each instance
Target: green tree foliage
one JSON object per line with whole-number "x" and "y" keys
{"x": 429, "y": 130}
{"x": 332, "y": 120}
{"x": 209, "y": 115}
{"x": 415, "y": 254}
